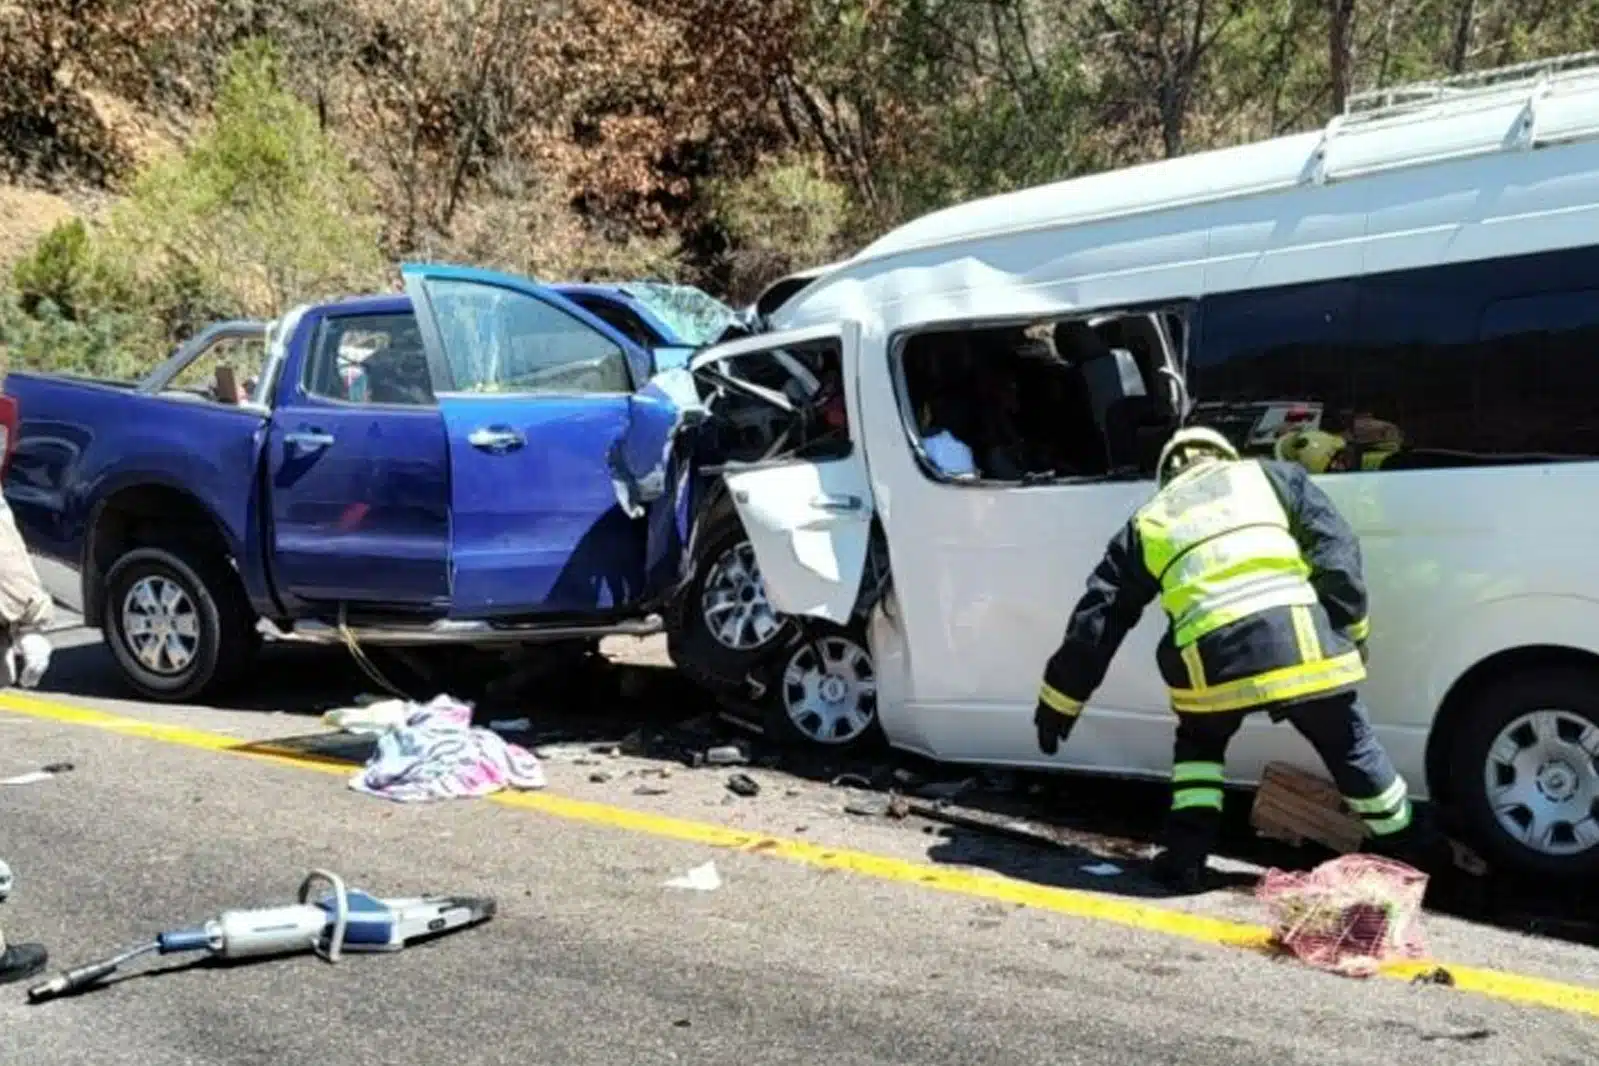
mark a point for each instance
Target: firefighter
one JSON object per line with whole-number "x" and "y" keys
{"x": 25, "y": 611}
{"x": 1260, "y": 578}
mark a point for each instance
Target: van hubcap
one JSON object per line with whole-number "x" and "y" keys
{"x": 830, "y": 690}
{"x": 160, "y": 625}
{"x": 734, "y": 603}
{"x": 1542, "y": 776}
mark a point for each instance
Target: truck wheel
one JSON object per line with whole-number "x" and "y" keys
{"x": 722, "y": 624}
{"x": 821, "y": 690}
{"x": 179, "y": 628}
{"x": 1525, "y": 771}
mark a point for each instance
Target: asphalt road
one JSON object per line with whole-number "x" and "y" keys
{"x": 592, "y": 960}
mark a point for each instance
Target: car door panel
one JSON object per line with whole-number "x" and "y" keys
{"x": 360, "y": 495}
{"x": 809, "y": 519}
{"x": 537, "y": 399}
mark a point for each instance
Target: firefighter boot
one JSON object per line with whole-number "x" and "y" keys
{"x": 1181, "y": 865}
{"x": 17, "y": 961}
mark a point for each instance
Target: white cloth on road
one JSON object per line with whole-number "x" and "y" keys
{"x": 437, "y": 754}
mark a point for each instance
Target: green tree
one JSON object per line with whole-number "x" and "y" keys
{"x": 263, "y": 210}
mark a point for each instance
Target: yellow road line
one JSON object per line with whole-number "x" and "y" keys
{"x": 1499, "y": 984}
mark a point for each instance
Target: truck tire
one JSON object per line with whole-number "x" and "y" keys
{"x": 179, "y": 626}
{"x": 712, "y": 649}
{"x": 1524, "y": 777}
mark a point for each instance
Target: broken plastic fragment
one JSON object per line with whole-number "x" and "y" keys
{"x": 699, "y": 879}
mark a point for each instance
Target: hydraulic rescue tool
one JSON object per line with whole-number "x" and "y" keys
{"x": 341, "y": 920}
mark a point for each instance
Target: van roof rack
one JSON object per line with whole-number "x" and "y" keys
{"x": 1481, "y": 85}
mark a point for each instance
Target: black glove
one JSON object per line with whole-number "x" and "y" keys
{"x": 1053, "y": 727}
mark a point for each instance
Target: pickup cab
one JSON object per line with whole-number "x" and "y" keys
{"x": 478, "y": 461}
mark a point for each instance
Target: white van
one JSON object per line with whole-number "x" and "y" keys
{"x": 1432, "y": 264}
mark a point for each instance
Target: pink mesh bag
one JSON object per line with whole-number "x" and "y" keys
{"x": 1347, "y": 916}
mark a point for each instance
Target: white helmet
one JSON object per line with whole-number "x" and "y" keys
{"x": 1187, "y": 446}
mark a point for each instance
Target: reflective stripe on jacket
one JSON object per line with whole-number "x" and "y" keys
{"x": 1218, "y": 542}
{"x": 1260, "y": 576}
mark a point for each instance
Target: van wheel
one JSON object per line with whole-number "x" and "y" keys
{"x": 722, "y": 623}
{"x": 1525, "y": 770}
{"x": 178, "y": 628}
{"x": 822, "y": 690}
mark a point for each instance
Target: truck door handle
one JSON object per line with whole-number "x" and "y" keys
{"x": 309, "y": 439}
{"x": 496, "y": 439}
{"x": 836, "y": 503}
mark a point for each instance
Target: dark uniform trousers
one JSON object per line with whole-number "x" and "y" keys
{"x": 1336, "y": 726}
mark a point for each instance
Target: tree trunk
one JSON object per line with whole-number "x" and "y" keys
{"x": 1340, "y": 36}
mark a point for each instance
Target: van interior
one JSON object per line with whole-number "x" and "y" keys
{"x": 1057, "y": 400}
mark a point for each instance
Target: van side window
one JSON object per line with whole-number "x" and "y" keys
{"x": 1272, "y": 364}
{"x": 1417, "y": 369}
{"x": 1059, "y": 399}
{"x": 779, "y": 404}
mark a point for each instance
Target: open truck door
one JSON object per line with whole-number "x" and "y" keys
{"x": 540, "y": 400}
{"x": 800, "y": 482}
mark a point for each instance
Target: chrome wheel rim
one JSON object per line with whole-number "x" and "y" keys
{"x": 830, "y": 690}
{"x": 160, "y": 625}
{"x": 1542, "y": 778}
{"x": 734, "y": 604}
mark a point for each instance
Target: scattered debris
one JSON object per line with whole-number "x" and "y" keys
{"x": 727, "y": 755}
{"x": 44, "y": 773}
{"x": 1468, "y": 860}
{"x": 577, "y": 754}
{"x": 1435, "y": 976}
{"x": 1293, "y": 806}
{"x": 610, "y": 751}
{"x": 599, "y": 777}
{"x": 699, "y": 879}
{"x": 850, "y": 781}
{"x": 32, "y": 777}
{"x": 946, "y": 790}
{"x": 743, "y": 785}
{"x": 371, "y": 718}
{"x": 1459, "y": 1034}
{"x": 633, "y": 744}
{"x": 651, "y": 790}
{"x": 1018, "y": 831}
{"x": 1103, "y": 869}
{"x": 879, "y": 807}
{"x": 511, "y": 725}
{"x": 682, "y": 1023}
{"x": 1347, "y": 916}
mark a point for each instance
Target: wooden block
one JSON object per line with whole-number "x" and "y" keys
{"x": 1294, "y": 806}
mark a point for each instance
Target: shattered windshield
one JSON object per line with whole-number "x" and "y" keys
{"x": 696, "y": 316}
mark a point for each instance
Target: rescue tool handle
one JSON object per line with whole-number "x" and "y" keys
{"x": 836, "y": 503}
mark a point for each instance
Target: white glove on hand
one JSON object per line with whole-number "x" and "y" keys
{"x": 33, "y": 659}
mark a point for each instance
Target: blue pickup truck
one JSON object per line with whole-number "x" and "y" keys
{"x": 481, "y": 461}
